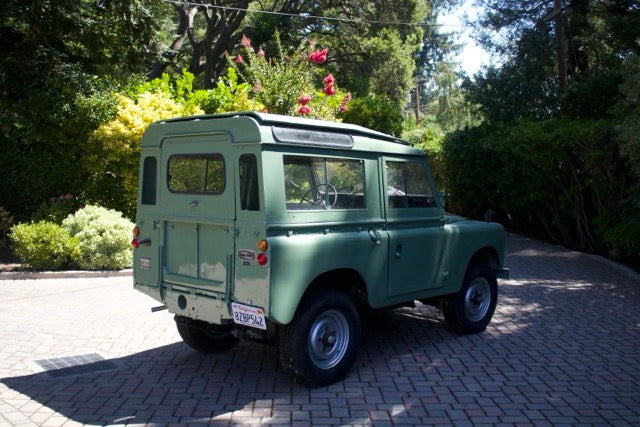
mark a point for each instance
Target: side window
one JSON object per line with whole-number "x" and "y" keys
{"x": 407, "y": 185}
{"x": 199, "y": 173}
{"x": 149, "y": 174}
{"x": 249, "y": 191}
{"x": 313, "y": 183}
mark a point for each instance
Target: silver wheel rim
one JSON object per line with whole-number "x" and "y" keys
{"x": 328, "y": 339}
{"x": 477, "y": 299}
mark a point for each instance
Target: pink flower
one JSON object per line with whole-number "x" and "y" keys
{"x": 246, "y": 42}
{"x": 318, "y": 56}
{"x": 329, "y": 90}
{"x": 239, "y": 59}
{"x": 304, "y": 100}
{"x": 329, "y": 80}
{"x": 264, "y": 110}
{"x": 261, "y": 53}
{"x": 303, "y": 110}
{"x": 344, "y": 101}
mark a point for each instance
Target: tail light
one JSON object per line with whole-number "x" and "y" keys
{"x": 262, "y": 258}
{"x": 136, "y": 242}
{"x": 263, "y": 246}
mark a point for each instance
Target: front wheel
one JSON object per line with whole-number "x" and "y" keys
{"x": 470, "y": 309}
{"x": 321, "y": 343}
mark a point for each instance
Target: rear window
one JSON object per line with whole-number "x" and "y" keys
{"x": 196, "y": 173}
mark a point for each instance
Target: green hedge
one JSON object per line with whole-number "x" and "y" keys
{"x": 562, "y": 180}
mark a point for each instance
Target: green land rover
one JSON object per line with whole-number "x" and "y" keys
{"x": 285, "y": 229}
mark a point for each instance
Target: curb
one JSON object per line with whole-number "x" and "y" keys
{"x": 30, "y": 275}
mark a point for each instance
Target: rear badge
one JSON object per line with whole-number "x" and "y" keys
{"x": 246, "y": 256}
{"x": 145, "y": 262}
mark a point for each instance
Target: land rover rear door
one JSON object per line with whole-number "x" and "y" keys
{"x": 198, "y": 196}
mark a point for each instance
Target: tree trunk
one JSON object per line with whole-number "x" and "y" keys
{"x": 561, "y": 46}
{"x": 208, "y": 55}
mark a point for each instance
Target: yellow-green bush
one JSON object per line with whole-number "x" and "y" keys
{"x": 114, "y": 148}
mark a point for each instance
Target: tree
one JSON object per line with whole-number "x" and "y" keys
{"x": 571, "y": 152}
{"x": 437, "y": 45}
{"x": 587, "y": 39}
{"x": 211, "y": 29}
{"x": 58, "y": 62}
{"x": 524, "y": 86}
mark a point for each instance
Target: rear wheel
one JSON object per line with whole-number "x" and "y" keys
{"x": 470, "y": 309}
{"x": 321, "y": 343}
{"x": 205, "y": 337}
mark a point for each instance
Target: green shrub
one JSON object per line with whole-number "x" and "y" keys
{"x": 43, "y": 245}
{"x": 103, "y": 238}
{"x": 562, "y": 180}
{"x": 375, "y": 112}
{"x": 428, "y": 137}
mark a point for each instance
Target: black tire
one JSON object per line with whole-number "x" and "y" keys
{"x": 205, "y": 337}
{"x": 321, "y": 343}
{"x": 470, "y": 310}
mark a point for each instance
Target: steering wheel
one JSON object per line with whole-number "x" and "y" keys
{"x": 329, "y": 189}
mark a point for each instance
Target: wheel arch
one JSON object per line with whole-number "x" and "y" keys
{"x": 488, "y": 255}
{"x": 345, "y": 280}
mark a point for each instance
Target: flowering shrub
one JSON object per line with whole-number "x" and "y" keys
{"x": 43, "y": 245}
{"x": 103, "y": 238}
{"x": 285, "y": 85}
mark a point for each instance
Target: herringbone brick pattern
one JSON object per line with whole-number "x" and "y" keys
{"x": 563, "y": 348}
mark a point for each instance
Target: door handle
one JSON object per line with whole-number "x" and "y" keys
{"x": 375, "y": 236}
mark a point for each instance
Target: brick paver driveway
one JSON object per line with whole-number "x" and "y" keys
{"x": 563, "y": 348}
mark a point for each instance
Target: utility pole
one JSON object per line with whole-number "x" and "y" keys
{"x": 417, "y": 101}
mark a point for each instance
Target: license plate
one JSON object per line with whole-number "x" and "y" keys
{"x": 248, "y": 316}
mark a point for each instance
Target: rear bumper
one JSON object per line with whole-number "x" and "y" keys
{"x": 188, "y": 302}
